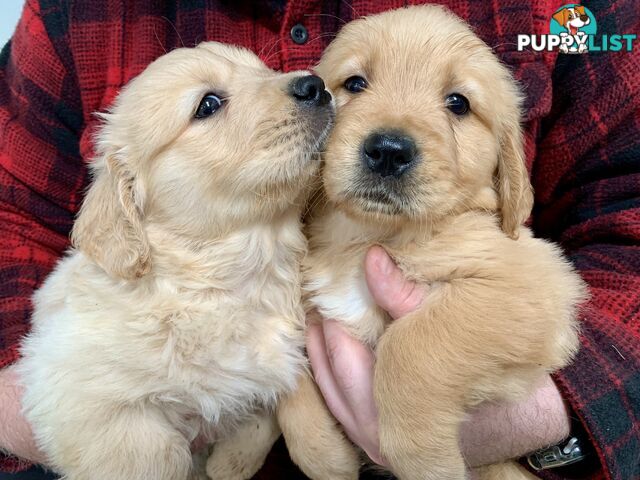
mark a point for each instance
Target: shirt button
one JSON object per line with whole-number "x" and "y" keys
{"x": 299, "y": 34}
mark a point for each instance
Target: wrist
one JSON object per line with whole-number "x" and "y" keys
{"x": 498, "y": 432}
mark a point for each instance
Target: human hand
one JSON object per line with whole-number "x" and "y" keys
{"x": 343, "y": 368}
{"x": 16, "y": 436}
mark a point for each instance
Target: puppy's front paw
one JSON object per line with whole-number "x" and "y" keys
{"x": 315, "y": 442}
{"x": 241, "y": 455}
{"x": 230, "y": 465}
{"x": 329, "y": 456}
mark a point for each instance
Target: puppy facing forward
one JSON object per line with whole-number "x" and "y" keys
{"x": 178, "y": 311}
{"x": 426, "y": 159}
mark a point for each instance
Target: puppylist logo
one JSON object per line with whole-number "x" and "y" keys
{"x": 573, "y": 30}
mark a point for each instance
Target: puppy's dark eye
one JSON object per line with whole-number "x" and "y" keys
{"x": 457, "y": 103}
{"x": 355, "y": 84}
{"x": 209, "y": 104}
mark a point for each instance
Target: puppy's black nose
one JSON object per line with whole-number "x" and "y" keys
{"x": 389, "y": 153}
{"x": 310, "y": 90}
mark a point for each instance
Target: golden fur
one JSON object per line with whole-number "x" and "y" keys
{"x": 500, "y": 309}
{"x": 178, "y": 312}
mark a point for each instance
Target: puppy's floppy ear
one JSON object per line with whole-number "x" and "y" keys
{"x": 108, "y": 228}
{"x": 580, "y": 9}
{"x": 562, "y": 16}
{"x": 513, "y": 185}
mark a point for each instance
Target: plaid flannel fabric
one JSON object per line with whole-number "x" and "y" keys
{"x": 69, "y": 58}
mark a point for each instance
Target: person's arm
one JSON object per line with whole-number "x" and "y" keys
{"x": 42, "y": 177}
{"x": 587, "y": 182}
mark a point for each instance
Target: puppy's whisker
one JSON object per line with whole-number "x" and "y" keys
{"x": 318, "y": 199}
{"x": 326, "y": 15}
{"x": 155, "y": 33}
{"x": 175, "y": 30}
{"x": 495, "y": 47}
{"x": 353, "y": 10}
{"x": 319, "y": 203}
{"x": 324, "y": 35}
{"x": 270, "y": 54}
{"x": 264, "y": 47}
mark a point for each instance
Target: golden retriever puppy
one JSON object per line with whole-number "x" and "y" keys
{"x": 178, "y": 313}
{"x": 426, "y": 159}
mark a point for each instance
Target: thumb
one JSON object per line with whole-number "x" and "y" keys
{"x": 390, "y": 290}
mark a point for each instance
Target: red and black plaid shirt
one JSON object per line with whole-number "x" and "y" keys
{"x": 69, "y": 58}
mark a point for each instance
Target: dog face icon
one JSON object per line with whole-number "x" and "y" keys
{"x": 572, "y": 18}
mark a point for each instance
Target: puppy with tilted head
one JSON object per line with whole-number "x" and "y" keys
{"x": 426, "y": 160}
{"x": 178, "y": 314}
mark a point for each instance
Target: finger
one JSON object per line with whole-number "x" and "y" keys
{"x": 387, "y": 285}
{"x": 324, "y": 377}
{"x": 352, "y": 364}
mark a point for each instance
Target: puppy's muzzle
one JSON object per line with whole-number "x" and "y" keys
{"x": 310, "y": 90}
{"x": 389, "y": 153}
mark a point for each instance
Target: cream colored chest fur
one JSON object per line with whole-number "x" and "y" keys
{"x": 216, "y": 338}
{"x": 334, "y": 280}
